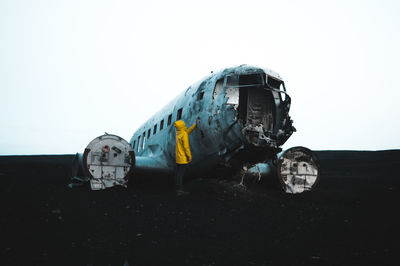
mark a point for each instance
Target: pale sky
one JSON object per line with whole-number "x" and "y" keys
{"x": 72, "y": 70}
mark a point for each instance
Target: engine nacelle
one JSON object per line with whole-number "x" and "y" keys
{"x": 298, "y": 170}
{"x": 107, "y": 161}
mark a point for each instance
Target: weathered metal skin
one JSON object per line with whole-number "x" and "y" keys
{"x": 242, "y": 120}
{"x": 107, "y": 161}
{"x": 297, "y": 169}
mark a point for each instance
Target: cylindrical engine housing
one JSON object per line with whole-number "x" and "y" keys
{"x": 298, "y": 170}
{"x": 107, "y": 161}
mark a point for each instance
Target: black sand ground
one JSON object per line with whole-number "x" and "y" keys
{"x": 350, "y": 219}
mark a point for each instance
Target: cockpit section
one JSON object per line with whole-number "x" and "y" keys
{"x": 262, "y": 107}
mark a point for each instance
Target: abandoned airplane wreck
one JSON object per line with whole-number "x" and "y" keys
{"x": 243, "y": 120}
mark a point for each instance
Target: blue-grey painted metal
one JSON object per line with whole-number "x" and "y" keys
{"x": 297, "y": 168}
{"x": 242, "y": 116}
{"x": 243, "y": 119}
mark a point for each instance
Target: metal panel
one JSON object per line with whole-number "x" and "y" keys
{"x": 298, "y": 170}
{"x": 108, "y": 161}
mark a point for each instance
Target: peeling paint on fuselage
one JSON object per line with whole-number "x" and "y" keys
{"x": 221, "y": 136}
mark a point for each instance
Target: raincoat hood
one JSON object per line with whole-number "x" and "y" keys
{"x": 180, "y": 125}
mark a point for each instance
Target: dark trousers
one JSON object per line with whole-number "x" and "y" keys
{"x": 178, "y": 176}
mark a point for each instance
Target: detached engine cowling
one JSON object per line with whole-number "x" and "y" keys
{"x": 298, "y": 170}
{"x": 108, "y": 160}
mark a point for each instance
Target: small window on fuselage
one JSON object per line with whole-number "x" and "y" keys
{"x": 148, "y": 133}
{"x": 179, "y": 114}
{"x": 200, "y": 96}
{"x": 133, "y": 145}
{"x": 138, "y": 144}
{"x": 274, "y": 83}
{"x": 162, "y": 124}
{"x": 143, "y": 140}
{"x": 169, "y": 119}
{"x": 155, "y": 129}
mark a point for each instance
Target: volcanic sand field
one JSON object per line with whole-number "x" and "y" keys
{"x": 350, "y": 219}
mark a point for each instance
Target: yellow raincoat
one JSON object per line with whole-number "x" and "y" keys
{"x": 182, "y": 148}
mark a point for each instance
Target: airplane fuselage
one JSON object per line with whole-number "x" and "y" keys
{"x": 242, "y": 119}
{"x": 242, "y": 116}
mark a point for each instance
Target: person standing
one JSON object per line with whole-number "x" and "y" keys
{"x": 183, "y": 156}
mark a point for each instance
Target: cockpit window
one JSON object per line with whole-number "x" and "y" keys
{"x": 274, "y": 83}
{"x": 233, "y": 95}
{"x": 278, "y": 85}
{"x": 218, "y": 88}
{"x": 234, "y": 82}
{"x": 283, "y": 95}
{"x": 244, "y": 80}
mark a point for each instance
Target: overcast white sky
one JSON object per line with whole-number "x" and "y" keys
{"x": 72, "y": 70}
